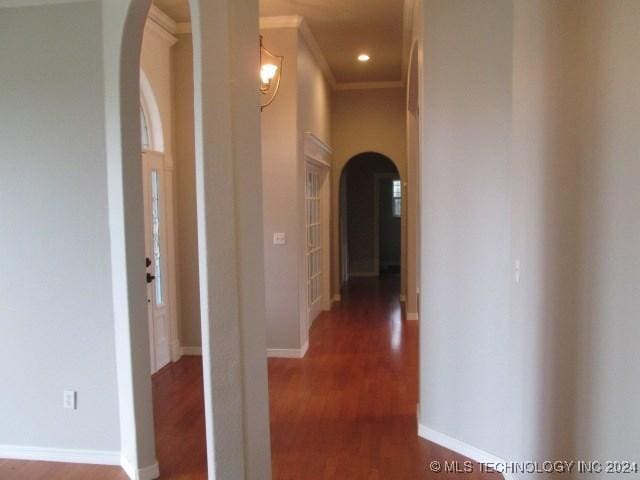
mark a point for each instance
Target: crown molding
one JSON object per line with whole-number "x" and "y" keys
{"x": 37, "y": 3}
{"x": 162, "y": 19}
{"x": 161, "y": 32}
{"x": 282, "y": 21}
{"x": 317, "y": 150}
{"x": 297, "y": 21}
{"x": 369, "y": 85}
{"x": 312, "y": 43}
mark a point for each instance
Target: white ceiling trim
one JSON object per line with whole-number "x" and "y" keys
{"x": 162, "y": 19}
{"x": 369, "y": 85}
{"x": 36, "y": 3}
{"x": 284, "y": 21}
{"x": 162, "y": 25}
{"x": 407, "y": 34}
{"x": 161, "y": 32}
{"x": 297, "y": 21}
{"x": 312, "y": 43}
{"x": 316, "y": 149}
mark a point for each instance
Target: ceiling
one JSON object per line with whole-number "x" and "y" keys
{"x": 343, "y": 29}
{"x": 346, "y": 28}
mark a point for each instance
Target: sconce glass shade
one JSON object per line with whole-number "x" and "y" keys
{"x": 270, "y": 75}
{"x": 267, "y": 73}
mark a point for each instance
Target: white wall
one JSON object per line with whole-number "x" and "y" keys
{"x": 464, "y": 333}
{"x": 530, "y": 157}
{"x": 56, "y": 312}
{"x": 607, "y": 419}
{"x": 547, "y": 88}
{"x": 73, "y": 305}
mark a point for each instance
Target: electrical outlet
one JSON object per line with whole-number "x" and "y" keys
{"x": 70, "y": 400}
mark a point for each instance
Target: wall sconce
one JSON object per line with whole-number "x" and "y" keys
{"x": 270, "y": 75}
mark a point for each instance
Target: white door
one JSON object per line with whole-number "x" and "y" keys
{"x": 314, "y": 241}
{"x": 155, "y": 247}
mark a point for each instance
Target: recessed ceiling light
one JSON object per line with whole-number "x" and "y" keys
{"x": 363, "y": 57}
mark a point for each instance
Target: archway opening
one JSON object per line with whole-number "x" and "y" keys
{"x": 226, "y": 192}
{"x": 371, "y": 205}
{"x": 171, "y": 240}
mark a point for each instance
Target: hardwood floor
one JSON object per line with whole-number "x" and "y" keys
{"x": 347, "y": 411}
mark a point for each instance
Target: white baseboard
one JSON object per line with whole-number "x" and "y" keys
{"x": 288, "y": 352}
{"x": 412, "y": 316}
{"x": 145, "y": 473}
{"x": 43, "y": 454}
{"x": 191, "y": 350}
{"x": 460, "y": 447}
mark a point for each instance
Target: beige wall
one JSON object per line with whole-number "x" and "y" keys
{"x": 281, "y": 177}
{"x": 371, "y": 120}
{"x": 185, "y": 181}
{"x": 314, "y": 116}
{"x": 303, "y": 105}
{"x": 314, "y": 95}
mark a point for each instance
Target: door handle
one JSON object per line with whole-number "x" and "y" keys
{"x": 150, "y": 278}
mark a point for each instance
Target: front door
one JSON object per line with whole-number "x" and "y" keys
{"x": 155, "y": 247}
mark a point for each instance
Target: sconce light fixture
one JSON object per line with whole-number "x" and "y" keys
{"x": 270, "y": 75}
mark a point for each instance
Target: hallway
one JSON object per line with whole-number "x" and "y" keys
{"x": 348, "y": 409}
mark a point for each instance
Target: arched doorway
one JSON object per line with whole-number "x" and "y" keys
{"x": 229, "y": 233}
{"x": 371, "y": 206}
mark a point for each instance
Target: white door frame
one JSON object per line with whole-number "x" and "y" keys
{"x": 376, "y": 217}
{"x": 343, "y": 222}
{"x": 318, "y": 153}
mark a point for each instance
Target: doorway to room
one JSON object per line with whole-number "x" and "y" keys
{"x": 171, "y": 250}
{"x": 370, "y": 217}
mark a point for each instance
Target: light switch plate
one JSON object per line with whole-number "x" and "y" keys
{"x": 279, "y": 238}
{"x": 70, "y": 400}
